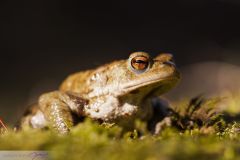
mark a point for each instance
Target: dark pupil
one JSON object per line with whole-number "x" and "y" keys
{"x": 141, "y": 62}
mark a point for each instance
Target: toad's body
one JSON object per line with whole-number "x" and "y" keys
{"x": 117, "y": 92}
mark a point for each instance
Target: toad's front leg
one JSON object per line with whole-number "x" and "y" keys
{"x": 58, "y": 107}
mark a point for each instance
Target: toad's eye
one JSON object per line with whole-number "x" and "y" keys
{"x": 140, "y": 63}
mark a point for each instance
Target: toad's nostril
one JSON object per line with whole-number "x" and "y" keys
{"x": 171, "y": 60}
{"x": 169, "y": 63}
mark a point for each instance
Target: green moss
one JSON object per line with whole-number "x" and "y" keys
{"x": 208, "y": 136}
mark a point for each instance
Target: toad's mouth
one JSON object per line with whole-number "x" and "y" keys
{"x": 144, "y": 84}
{"x": 155, "y": 81}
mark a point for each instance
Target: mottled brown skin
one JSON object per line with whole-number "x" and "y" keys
{"x": 118, "y": 92}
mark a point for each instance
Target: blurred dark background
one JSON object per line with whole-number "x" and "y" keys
{"x": 42, "y": 42}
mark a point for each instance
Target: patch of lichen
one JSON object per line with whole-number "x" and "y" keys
{"x": 199, "y": 131}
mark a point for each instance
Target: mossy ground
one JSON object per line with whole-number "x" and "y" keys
{"x": 198, "y": 132}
